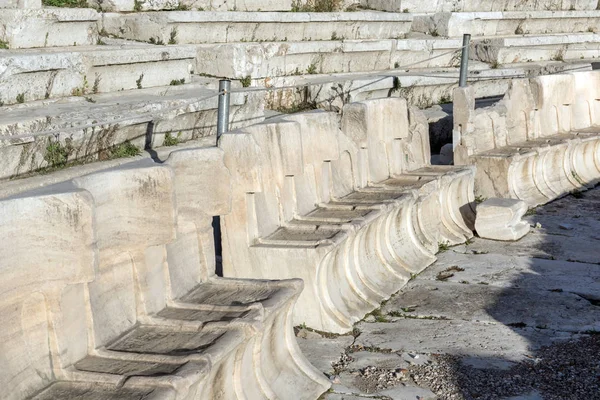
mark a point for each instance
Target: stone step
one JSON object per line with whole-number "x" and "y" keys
{"x": 229, "y": 27}
{"x": 48, "y": 27}
{"x": 454, "y": 24}
{"x": 298, "y": 60}
{"x": 35, "y": 74}
{"x": 200, "y": 5}
{"x": 87, "y": 128}
{"x": 416, "y": 6}
{"x": 506, "y": 50}
{"x": 422, "y": 87}
{"x": 276, "y": 59}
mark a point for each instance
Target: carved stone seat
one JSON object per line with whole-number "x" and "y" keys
{"x": 126, "y": 304}
{"x": 538, "y": 143}
{"x": 352, "y": 211}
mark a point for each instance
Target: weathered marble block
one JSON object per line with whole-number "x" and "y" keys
{"x": 500, "y": 219}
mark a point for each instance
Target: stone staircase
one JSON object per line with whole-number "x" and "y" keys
{"x": 95, "y": 309}
{"x": 353, "y": 213}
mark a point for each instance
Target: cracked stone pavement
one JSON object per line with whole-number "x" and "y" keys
{"x": 489, "y": 320}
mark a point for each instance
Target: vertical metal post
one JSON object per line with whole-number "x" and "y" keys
{"x": 223, "y": 111}
{"x": 464, "y": 61}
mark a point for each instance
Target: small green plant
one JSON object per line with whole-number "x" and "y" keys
{"x": 334, "y": 36}
{"x": 405, "y": 11}
{"x": 21, "y": 98}
{"x": 591, "y": 29}
{"x": 317, "y": 5}
{"x": 445, "y": 99}
{"x": 479, "y": 199}
{"x": 103, "y": 33}
{"x": 531, "y": 211}
{"x": 100, "y": 42}
{"x": 434, "y": 32}
{"x": 138, "y": 81}
{"x": 443, "y": 246}
{"x": 173, "y": 36}
{"x": 298, "y": 107}
{"x": 312, "y": 69}
{"x": 184, "y": 7}
{"x": 494, "y": 64}
{"x": 96, "y": 87}
{"x": 57, "y": 154}
{"x": 171, "y": 140}
{"x": 177, "y": 82}
{"x": 83, "y": 89}
{"x": 3, "y": 45}
{"x": 559, "y": 55}
{"x": 247, "y": 81}
{"x": 572, "y": 8}
{"x": 157, "y": 41}
{"x": 137, "y": 5}
{"x": 125, "y": 149}
{"x": 66, "y": 3}
{"x": 577, "y": 194}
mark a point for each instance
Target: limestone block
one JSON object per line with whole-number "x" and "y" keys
{"x": 276, "y": 59}
{"x": 202, "y": 183}
{"x": 51, "y": 241}
{"x": 83, "y": 71}
{"x": 586, "y": 106}
{"x": 501, "y": 219}
{"x": 375, "y": 125}
{"x": 135, "y": 211}
{"x": 415, "y": 6}
{"x": 24, "y": 347}
{"x": 20, "y": 4}
{"x": 31, "y": 27}
{"x": 197, "y": 27}
{"x": 455, "y": 24}
{"x": 553, "y": 94}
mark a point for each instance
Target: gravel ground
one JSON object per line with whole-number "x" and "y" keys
{"x": 488, "y": 320}
{"x": 563, "y": 371}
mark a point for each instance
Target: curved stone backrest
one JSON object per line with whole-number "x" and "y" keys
{"x": 202, "y": 186}
{"x": 586, "y": 106}
{"x": 520, "y": 107}
{"x": 320, "y": 145}
{"x": 46, "y": 257}
{"x": 531, "y": 108}
{"x": 394, "y": 139}
{"x": 553, "y": 95}
{"x": 134, "y": 220}
{"x": 278, "y": 153}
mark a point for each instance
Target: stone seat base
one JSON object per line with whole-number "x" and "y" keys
{"x": 206, "y": 333}
{"x": 326, "y": 224}
{"x": 96, "y": 391}
{"x": 399, "y": 222}
{"x": 540, "y": 170}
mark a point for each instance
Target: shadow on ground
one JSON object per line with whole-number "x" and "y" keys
{"x": 488, "y": 320}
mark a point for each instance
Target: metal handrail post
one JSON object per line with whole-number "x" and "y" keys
{"x": 464, "y": 60}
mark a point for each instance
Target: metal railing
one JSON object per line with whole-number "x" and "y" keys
{"x": 224, "y": 92}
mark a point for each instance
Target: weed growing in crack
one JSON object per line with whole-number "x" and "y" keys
{"x": 171, "y": 140}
